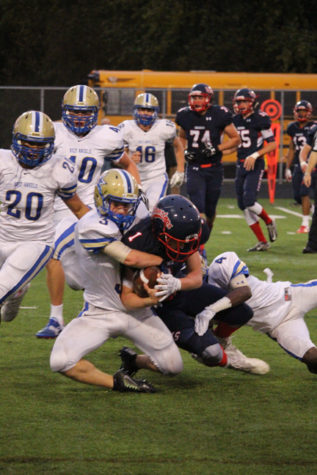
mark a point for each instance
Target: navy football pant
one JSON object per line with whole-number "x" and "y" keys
{"x": 178, "y": 315}
{"x": 204, "y": 187}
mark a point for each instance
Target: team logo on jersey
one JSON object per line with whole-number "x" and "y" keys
{"x": 163, "y": 216}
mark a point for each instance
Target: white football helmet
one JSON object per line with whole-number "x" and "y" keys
{"x": 117, "y": 186}
{"x": 33, "y": 138}
{"x": 149, "y": 102}
{"x": 80, "y": 109}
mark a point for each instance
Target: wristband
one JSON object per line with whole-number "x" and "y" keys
{"x": 255, "y": 155}
{"x": 221, "y": 304}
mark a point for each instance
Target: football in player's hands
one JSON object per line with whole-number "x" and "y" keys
{"x": 148, "y": 276}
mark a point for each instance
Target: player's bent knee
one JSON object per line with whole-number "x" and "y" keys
{"x": 212, "y": 355}
{"x": 73, "y": 283}
{"x": 59, "y": 362}
{"x": 170, "y": 362}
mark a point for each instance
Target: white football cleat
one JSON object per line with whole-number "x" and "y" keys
{"x": 10, "y": 308}
{"x": 260, "y": 246}
{"x": 238, "y": 361}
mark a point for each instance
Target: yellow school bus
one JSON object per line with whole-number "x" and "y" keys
{"x": 278, "y": 91}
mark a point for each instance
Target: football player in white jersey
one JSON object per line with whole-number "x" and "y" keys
{"x": 278, "y": 308}
{"x": 145, "y": 139}
{"x": 87, "y": 145}
{"x": 100, "y": 253}
{"x": 30, "y": 179}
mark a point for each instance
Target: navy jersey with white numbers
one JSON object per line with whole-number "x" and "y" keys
{"x": 204, "y": 130}
{"x": 141, "y": 238}
{"x": 299, "y": 136}
{"x": 253, "y": 130}
{"x": 312, "y": 137}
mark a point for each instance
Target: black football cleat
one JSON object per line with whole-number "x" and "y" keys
{"x": 123, "y": 382}
{"x": 128, "y": 359}
{"x": 309, "y": 250}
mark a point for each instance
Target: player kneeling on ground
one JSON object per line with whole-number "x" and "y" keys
{"x": 100, "y": 253}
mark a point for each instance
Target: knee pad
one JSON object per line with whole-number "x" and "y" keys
{"x": 254, "y": 208}
{"x": 212, "y": 355}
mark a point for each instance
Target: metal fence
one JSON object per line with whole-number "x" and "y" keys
{"x": 14, "y": 100}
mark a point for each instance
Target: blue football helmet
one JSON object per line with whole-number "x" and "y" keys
{"x": 177, "y": 225}
{"x": 33, "y": 138}
{"x": 244, "y": 95}
{"x": 80, "y": 109}
{"x": 200, "y": 97}
{"x": 149, "y": 102}
{"x": 117, "y": 186}
{"x": 303, "y": 111}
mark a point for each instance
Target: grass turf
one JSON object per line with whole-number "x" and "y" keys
{"x": 206, "y": 420}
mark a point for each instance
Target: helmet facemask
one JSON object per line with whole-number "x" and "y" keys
{"x": 80, "y": 109}
{"x": 200, "y": 97}
{"x": 143, "y": 104}
{"x": 179, "y": 249}
{"x": 117, "y": 187}
{"x": 303, "y": 111}
{"x": 33, "y": 139}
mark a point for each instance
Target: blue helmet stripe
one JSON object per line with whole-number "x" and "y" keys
{"x": 81, "y": 93}
{"x": 37, "y": 122}
{"x": 128, "y": 181}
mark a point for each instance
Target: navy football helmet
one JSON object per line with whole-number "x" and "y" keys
{"x": 177, "y": 225}
{"x": 200, "y": 97}
{"x": 244, "y": 95}
{"x": 303, "y": 111}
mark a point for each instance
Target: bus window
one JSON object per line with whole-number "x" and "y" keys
{"x": 160, "y": 95}
{"x": 179, "y": 99}
{"x": 118, "y": 101}
{"x": 228, "y": 98}
{"x": 287, "y": 100}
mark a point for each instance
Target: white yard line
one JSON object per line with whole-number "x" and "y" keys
{"x": 286, "y": 210}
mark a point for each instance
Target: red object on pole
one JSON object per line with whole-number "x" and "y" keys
{"x": 273, "y": 109}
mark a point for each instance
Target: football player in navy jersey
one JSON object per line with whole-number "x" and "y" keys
{"x": 254, "y": 128}
{"x": 201, "y": 127}
{"x": 310, "y": 179}
{"x": 298, "y": 132}
{"x": 173, "y": 232}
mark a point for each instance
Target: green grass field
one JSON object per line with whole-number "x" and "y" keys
{"x": 206, "y": 420}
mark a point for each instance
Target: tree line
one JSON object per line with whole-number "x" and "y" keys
{"x": 58, "y": 42}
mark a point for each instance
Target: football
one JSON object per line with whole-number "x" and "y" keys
{"x": 147, "y": 275}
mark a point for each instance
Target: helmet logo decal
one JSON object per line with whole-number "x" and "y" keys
{"x": 162, "y": 215}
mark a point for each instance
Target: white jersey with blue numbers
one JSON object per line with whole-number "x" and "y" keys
{"x": 151, "y": 144}
{"x": 269, "y": 300}
{"x": 88, "y": 154}
{"x": 27, "y": 197}
{"x": 100, "y": 273}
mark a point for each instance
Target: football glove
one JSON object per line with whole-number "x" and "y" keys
{"x": 144, "y": 198}
{"x": 202, "y": 321}
{"x": 288, "y": 175}
{"x": 167, "y": 285}
{"x": 177, "y": 179}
